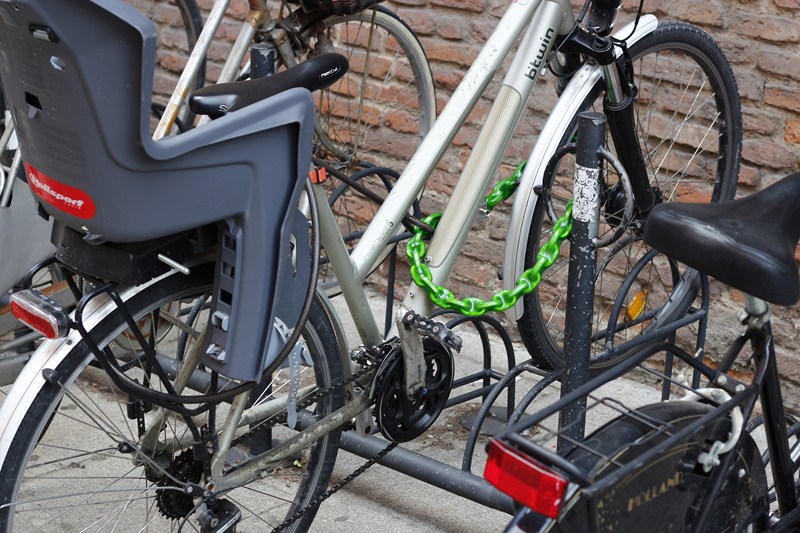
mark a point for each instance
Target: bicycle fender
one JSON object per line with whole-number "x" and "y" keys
{"x": 581, "y": 85}
{"x": 48, "y": 356}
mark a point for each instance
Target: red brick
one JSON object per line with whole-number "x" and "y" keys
{"x": 451, "y": 52}
{"x": 766, "y": 27}
{"x": 768, "y": 153}
{"x": 783, "y": 96}
{"x": 779, "y": 62}
{"x": 451, "y": 28}
{"x": 419, "y": 20}
{"x": 467, "y": 5}
{"x": 759, "y": 121}
{"x": 711, "y": 13}
{"x": 749, "y": 177}
{"x": 792, "y": 132}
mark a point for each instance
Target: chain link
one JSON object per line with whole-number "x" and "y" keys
{"x": 335, "y": 488}
{"x": 506, "y": 298}
{"x": 370, "y": 364}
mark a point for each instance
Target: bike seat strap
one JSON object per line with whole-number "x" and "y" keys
{"x": 316, "y": 73}
{"x": 748, "y": 243}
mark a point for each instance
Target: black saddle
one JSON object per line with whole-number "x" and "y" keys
{"x": 316, "y": 73}
{"x": 748, "y": 243}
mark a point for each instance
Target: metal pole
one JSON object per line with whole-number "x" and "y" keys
{"x": 582, "y": 264}
{"x": 430, "y": 471}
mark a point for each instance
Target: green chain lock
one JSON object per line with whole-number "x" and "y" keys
{"x": 506, "y": 298}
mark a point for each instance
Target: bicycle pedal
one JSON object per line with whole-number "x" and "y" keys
{"x": 40, "y": 313}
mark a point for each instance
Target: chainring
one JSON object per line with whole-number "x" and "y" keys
{"x": 401, "y": 418}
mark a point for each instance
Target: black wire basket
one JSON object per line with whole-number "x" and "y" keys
{"x": 336, "y": 7}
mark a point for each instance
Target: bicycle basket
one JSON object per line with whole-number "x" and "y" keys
{"x": 336, "y": 7}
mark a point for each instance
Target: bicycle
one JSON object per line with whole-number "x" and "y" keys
{"x": 692, "y": 462}
{"x": 211, "y": 315}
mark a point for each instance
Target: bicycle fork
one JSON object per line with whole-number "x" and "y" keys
{"x": 620, "y": 96}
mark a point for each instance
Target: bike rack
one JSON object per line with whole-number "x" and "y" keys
{"x": 571, "y": 406}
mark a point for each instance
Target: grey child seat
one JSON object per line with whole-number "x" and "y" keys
{"x": 78, "y": 76}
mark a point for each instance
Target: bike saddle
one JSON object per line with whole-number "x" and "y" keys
{"x": 748, "y": 243}
{"x": 316, "y": 73}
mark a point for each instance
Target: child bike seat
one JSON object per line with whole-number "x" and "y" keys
{"x": 78, "y": 78}
{"x": 222, "y": 98}
{"x": 748, "y": 243}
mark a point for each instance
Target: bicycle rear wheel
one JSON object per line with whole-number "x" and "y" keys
{"x": 688, "y": 121}
{"x": 77, "y": 459}
{"x": 668, "y": 492}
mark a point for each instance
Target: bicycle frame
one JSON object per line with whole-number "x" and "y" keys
{"x": 764, "y": 386}
{"x": 545, "y": 20}
{"x": 781, "y": 462}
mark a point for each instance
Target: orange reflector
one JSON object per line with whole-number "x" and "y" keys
{"x": 525, "y": 480}
{"x": 319, "y": 175}
{"x": 40, "y": 313}
{"x": 637, "y": 305}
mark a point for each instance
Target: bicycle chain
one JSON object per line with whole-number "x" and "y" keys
{"x": 335, "y": 488}
{"x": 375, "y": 361}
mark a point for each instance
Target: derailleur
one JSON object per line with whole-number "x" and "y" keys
{"x": 220, "y": 516}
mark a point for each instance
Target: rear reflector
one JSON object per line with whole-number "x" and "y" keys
{"x": 525, "y": 480}
{"x": 40, "y": 313}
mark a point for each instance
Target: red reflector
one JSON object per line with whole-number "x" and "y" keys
{"x": 525, "y": 480}
{"x": 40, "y": 313}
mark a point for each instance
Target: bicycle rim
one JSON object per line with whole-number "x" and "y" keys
{"x": 689, "y": 123}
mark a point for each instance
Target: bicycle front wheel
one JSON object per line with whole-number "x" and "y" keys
{"x": 688, "y": 121}
{"x": 77, "y": 459}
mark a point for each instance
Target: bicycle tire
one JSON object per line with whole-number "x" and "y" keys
{"x": 668, "y": 486}
{"x": 377, "y": 115}
{"x": 681, "y": 168}
{"x": 754, "y": 427}
{"x": 95, "y": 440}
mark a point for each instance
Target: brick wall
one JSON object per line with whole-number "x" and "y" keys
{"x": 762, "y": 41}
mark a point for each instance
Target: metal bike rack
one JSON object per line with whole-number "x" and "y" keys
{"x": 578, "y": 338}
